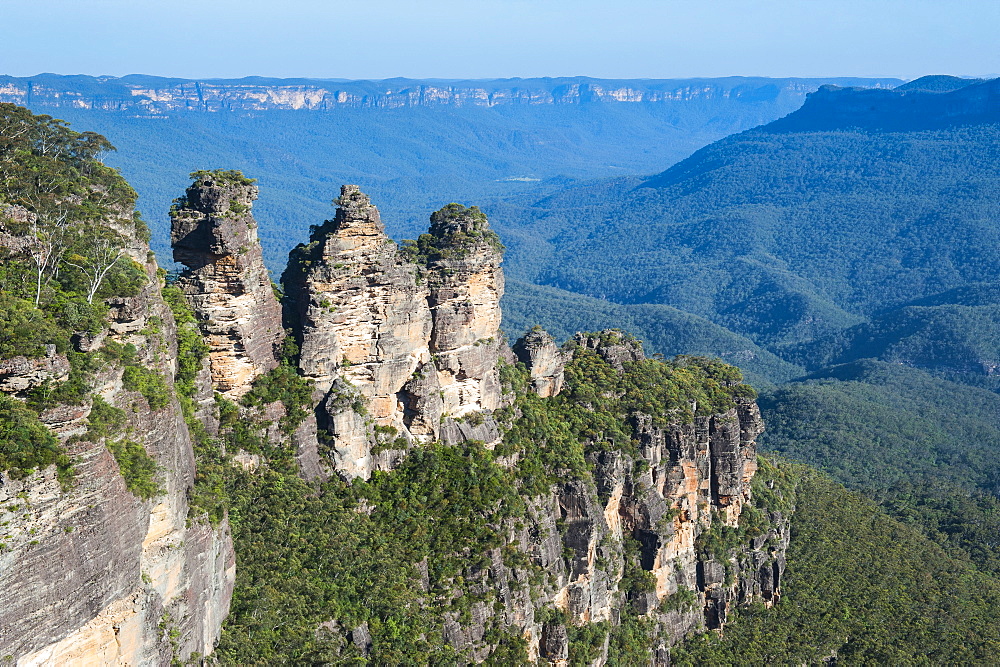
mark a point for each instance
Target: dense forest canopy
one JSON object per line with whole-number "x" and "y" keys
{"x": 848, "y": 248}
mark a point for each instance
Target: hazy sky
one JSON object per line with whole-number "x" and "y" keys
{"x": 500, "y": 38}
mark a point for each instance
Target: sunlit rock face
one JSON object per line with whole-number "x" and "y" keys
{"x": 408, "y": 336}
{"x": 546, "y": 362}
{"x": 683, "y": 480}
{"x": 466, "y": 285}
{"x": 89, "y": 572}
{"x": 214, "y": 234}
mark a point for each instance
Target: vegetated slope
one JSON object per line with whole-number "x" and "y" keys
{"x": 387, "y": 570}
{"x": 102, "y": 561}
{"x": 331, "y": 572}
{"x": 433, "y": 149}
{"x": 860, "y": 588}
{"x": 955, "y": 334}
{"x": 664, "y": 329}
{"x": 874, "y": 424}
{"x": 796, "y": 229}
{"x": 926, "y": 448}
{"x": 864, "y": 205}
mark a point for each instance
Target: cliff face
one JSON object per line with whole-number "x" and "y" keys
{"x": 157, "y": 95}
{"x": 538, "y": 351}
{"x": 413, "y": 336}
{"x": 403, "y": 345}
{"x": 93, "y": 573}
{"x": 466, "y": 285}
{"x": 927, "y": 103}
{"x": 685, "y": 483}
{"x": 215, "y": 236}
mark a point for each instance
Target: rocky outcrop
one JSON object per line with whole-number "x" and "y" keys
{"x": 686, "y": 482}
{"x": 363, "y": 323}
{"x": 89, "y": 572}
{"x": 466, "y": 285}
{"x": 14, "y": 219}
{"x": 613, "y": 346}
{"x": 403, "y": 345}
{"x": 215, "y": 236}
{"x": 399, "y": 342}
{"x": 19, "y": 374}
{"x": 363, "y": 316}
{"x": 545, "y": 361}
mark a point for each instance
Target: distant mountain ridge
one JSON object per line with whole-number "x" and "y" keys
{"x": 157, "y": 95}
{"x": 415, "y": 145}
{"x": 926, "y": 103}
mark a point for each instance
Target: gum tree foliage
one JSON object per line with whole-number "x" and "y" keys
{"x": 78, "y": 210}
{"x": 66, "y": 223}
{"x": 401, "y": 550}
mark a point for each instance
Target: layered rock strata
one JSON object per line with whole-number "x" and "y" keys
{"x": 214, "y": 234}
{"x": 686, "y": 480}
{"x": 156, "y": 96}
{"x": 400, "y": 342}
{"x": 90, "y": 573}
{"x": 466, "y": 285}
{"x": 545, "y": 361}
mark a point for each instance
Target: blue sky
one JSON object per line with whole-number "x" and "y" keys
{"x": 500, "y": 38}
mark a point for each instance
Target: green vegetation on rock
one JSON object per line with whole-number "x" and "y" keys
{"x": 26, "y": 444}
{"x": 553, "y": 436}
{"x": 24, "y": 329}
{"x": 860, "y": 588}
{"x": 350, "y": 555}
{"x": 375, "y": 552}
{"x": 137, "y": 468}
{"x": 222, "y": 176}
{"x": 66, "y": 225}
{"x": 455, "y": 231}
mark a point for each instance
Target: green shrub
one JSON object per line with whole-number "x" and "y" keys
{"x": 191, "y": 347}
{"x": 105, "y": 420}
{"x": 149, "y": 383}
{"x": 24, "y": 329}
{"x": 138, "y": 469}
{"x": 586, "y": 642}
{"x": 286, "y": 385}
{"x": 223, "y": 176}
{"x": 26, "y": 444}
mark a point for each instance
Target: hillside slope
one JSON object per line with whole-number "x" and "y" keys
{"x": 860, "y": 588}
{"x": 795, "y": 229}
{"x": 402, "y": 486}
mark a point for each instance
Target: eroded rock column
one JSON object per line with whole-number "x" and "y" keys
{"x": 364, "y": 324}
{"x": 546, "y": 363}
{"x": 466, "y": 286}
{"x": 214, "y": 234}
{"x": 401, "y": 342}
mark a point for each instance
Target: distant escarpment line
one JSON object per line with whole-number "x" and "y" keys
{"x": 157, "y": 95}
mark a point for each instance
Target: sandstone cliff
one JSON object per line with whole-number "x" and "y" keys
{"x": 529, "y": 505}
{"x": 91, "y": 572}
{"x": 403, "y": 345}
{"x": 538, "y": 351}
{"x": 215, "y": 236}
{"x": 412, "y": 334}
{"x": 632, "y": 476}
{"x": 671, "y": 498}
{"x": 156, "y": 95}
